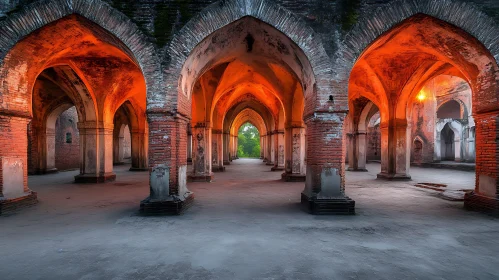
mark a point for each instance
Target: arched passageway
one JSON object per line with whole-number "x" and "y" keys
{"x": 251, "y": 62}
{"x": 404, "y": 100}
{"x": 249, "y": 68}
{"x": 68, "y": 62}
{"x": 399, "y": 70}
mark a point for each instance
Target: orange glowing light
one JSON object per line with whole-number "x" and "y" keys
{"x": 421, "y": 96}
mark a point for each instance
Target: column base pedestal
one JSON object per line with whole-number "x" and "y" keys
{"x": 278, "y": 168}
{"x": 199, "y": 178}
{"x": 269, "y": 163}
{"x": 290, "y": 177}
{"x": 218, "y": 169}
{"x": 118, "y": 163}
{"x": 394, "y": 177}
{"x": 226, "y": 162}
{"x": 92, "y": 178}
{"x": 480, "y": 203}
{"x": 172, "y": 205}
{"x": 138, "y": 169}
{"x": 330, "y": 206}
{"x": 9, "y": 206}
{"x": 357, "y": 170}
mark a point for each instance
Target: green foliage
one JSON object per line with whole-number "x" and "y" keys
{"x": 248, "y": 141}
{"x": 166, "y": 19}
{"x": 350, "y": 14}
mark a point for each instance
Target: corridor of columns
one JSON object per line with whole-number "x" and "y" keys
{"x": 401, "y": 98}
{"x": 77, "y": 104}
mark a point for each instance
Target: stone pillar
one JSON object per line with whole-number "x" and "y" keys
{"x": 39, "y": 147}
{"x": 437, "y": 154}
{"x": 268, "y": 149}
{"x": 96, "y": 150}
{"x": 324, "y": 191}
{"x": 50, "y": 167}
{"x": 485, "y": 197}
{"x": 217, "y": 151}
{"x": 118, "y": 143}
{"x": 280, "y": 157}
{"x": 272, "y": 149}
{"x": 201, "y": 154}
{"x": 261, "y": 147}
{"x": 457, "y": 148}
{"x": 395, "y": 150}
{"x": 264, "y": 148}
{"x": 357, "y": 151}
{"x": 139, "y": 151}
{"x": 167, "y": 164}
{"x": 43, "y": 149}
{"x": 226, "y": 148}
{"x": 14, "y": 191}
{"x": 295, "y": 155}
{"x": 236, "y": 146}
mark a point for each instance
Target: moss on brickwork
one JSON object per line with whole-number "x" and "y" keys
{"x": 125, "y": 6}
{"x": 169, "y": 18}
{"x": 350, "y": 14}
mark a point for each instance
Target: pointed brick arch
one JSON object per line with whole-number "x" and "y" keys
{"x": 41, "y": 13}
{"x": 480, "y": 33}
{"x": 386, "y": 16}
{"x": 223, "y": 13}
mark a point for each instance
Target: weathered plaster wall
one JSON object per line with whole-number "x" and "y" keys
{"x": 67, "y": 155}
{"x": 425, "y": 122}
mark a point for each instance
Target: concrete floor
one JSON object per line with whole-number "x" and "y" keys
{"x": 247, "y": 225}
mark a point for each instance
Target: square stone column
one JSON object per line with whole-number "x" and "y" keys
{"x": 280, "y": 155}
{"x": 14, "y": 191}
{"x": 201, "y": 154}
{"x": 457, "y": 148}
{"x": 268, "y": 150}
{"x": 217, "y": 151}
{"x": 167, "y": 164}
{"x": 42, "y": 149}
{"x": 50, "y": 142}
{"x": 139, "y": 151}
{"x": 226, "y": 148}
{"x": 357, "y": 151}
{"x": 295, "y": 155}
{"x": 272, "y": 148}
{"x": 118, "y": 155}
{"x": 395, "y": 150}
{"x": 485, "y": 197}
{"x": 236, "y": 145}
{"x": 262, "y": 148}
{"x": 324, "y": 191}
{"x": 96, "y": 150}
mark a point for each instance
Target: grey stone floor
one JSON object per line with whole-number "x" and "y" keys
{"x": 247, "y": 225}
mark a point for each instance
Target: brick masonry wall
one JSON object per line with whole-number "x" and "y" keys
{"x": 13, "y": 143}
{"x": 67, "y": 155}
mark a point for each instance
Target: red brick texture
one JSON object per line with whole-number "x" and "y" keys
{"x": 14, "y": 143}
{"x": 325, "y": 143}
{"x": 168, "y": 144}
